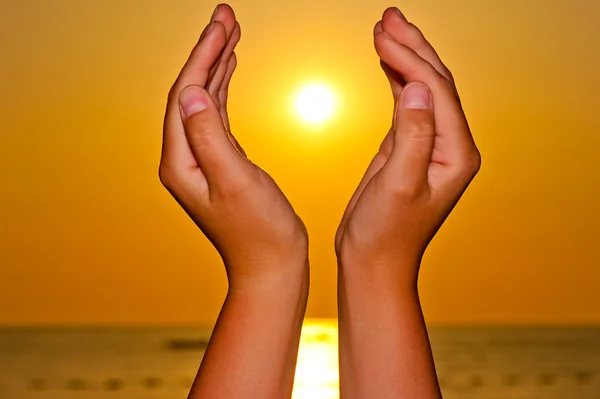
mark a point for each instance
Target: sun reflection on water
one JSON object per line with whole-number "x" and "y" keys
{"x": 317, "y": 368}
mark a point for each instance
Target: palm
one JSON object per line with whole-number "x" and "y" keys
{"x": 365, "y": 194}
{"x": 229, "y": 197}
{"x": 266, "y": 191}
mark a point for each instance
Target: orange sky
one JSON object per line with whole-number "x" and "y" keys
{"x": 89, "y": 236}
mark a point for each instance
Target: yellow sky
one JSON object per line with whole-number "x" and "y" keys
{"x": 89, "y": 236}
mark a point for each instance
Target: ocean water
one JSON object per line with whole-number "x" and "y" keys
{"x": 160, "y": 363}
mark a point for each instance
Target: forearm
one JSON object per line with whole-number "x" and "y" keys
{"x": 253, "y": 349}
{"x": 384, "y": 346}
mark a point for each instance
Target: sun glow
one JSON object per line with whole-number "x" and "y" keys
{"x": 315, "y": 103}
{"x": 317, "y": 367}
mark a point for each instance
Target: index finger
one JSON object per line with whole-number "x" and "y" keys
{"x": 453, "y": 136}
{"x": 176, "y": 150}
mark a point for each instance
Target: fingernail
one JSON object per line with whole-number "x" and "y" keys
{"x": 416, "y": 96}
{"x": 214, "y": 14}
{"x": 192, "y": 100}
{"x": 400, "y": 14}
{"x": 207, "y": 30}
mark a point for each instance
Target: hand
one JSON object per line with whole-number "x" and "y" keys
{"x": 424, "y": 164}
{"x": 234, "y": 202}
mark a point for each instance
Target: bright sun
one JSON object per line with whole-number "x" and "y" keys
{"x": 315, "y": 103}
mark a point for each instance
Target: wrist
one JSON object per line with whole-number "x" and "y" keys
{"x": 380, "y": 274}
{"x": 270, "y": 279}
{"x": 261, "y": 318}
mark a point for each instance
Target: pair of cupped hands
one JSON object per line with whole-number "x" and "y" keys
{"x": 424, "y": 164}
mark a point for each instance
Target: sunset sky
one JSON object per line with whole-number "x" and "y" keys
{"x": 89, "y": 236}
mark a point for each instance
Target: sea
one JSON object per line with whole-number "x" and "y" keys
{"x": 161, "y": 362}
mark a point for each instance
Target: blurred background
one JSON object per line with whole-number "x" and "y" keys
{"x": 93, "y": 250}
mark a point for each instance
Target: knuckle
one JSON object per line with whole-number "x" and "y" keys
{"x": 470, "y": 165}
{"x": 405, "y": 192}
{"x": 421, "y": 129}
{"x": 200, "y": 134}
{"x": 168, "y": 176}
{"x": 475, "y": 161}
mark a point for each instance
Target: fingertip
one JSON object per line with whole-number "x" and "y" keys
{"x": 219, "y": 27}
{"x": 378, "y": 28}
{"x": 401, "y": 14}
{"x": 193, "y": 99}
{"x": 390, "y": 11}
{"x": 206, "y": 31}
{"x": 381, "y": 41}
{"x": 218, "y": 31}
{"x": 238, "y": 30}
{"x": 224, "y": 14}
{"x": 393, "y": 14}
{"x": 392, "y": 20}
{"x": 222, "y": 9}
{"x": 211, "y": 28}
{"x": 383, "y": 34}
{"x": 215, "y": 13}
{"x": 416, "y": 95}
{"x": 236, "y": 35}
{"x": 224, "y": 6}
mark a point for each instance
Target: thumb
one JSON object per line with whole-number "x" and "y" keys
{"x": 206, "y": 136}
{"x": 414, "y": 137}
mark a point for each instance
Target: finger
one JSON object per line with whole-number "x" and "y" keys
{"x": 453, "y": 132}
{"x": 223, "y": 95}
{"x": 237, "y": 145}
{"x": 224, "y": 14}
{"x": 414, "y": 138}
{"x": 396, "y": 80}
{"x": 224, "y": 90}
{"x": 218, "y": 78}
{"x": 176, "y": 151}
{"x": 394, "y": 23}
{"x": 218, "y": 159}
{"x": 202, "y": 58}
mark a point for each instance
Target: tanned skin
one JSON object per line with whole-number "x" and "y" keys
{"x": 263, "y": 243}
{"x": 425, "y": 163}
